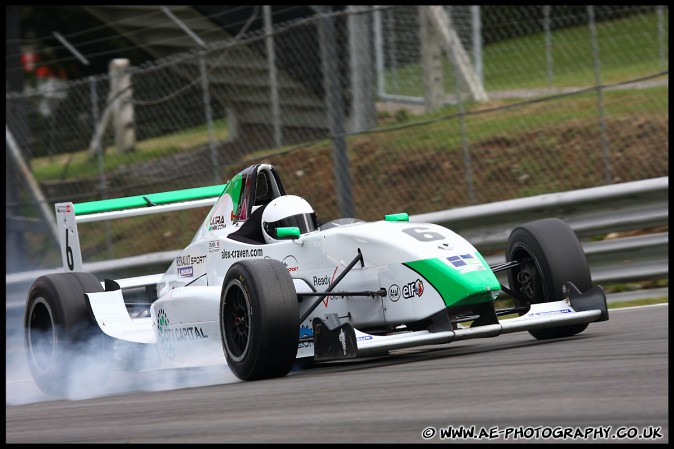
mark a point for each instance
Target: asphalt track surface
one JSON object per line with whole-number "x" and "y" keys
{"x": 613, "y": 377}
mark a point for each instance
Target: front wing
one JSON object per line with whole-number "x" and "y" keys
{"x": 576, "y": 309}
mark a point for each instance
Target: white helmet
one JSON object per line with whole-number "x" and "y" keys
{"x": 286, "y": 211}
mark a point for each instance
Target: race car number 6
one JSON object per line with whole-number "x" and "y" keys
{"x": 69, "y": 254}
{"x": 423, "y": 234}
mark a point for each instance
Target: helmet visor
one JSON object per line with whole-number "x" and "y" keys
{"x": 306, "y": 222}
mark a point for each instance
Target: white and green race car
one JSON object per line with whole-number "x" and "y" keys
{"x": 263, "y": 284}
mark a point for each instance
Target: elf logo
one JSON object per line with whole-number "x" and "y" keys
{"x": 413, "y": 289}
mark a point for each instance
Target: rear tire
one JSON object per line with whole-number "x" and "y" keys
{"x": 551, "y": 254}
{"x": 67, "y": 352}
{"x": 259, "y": 319}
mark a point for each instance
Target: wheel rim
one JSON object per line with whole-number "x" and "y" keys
{"x": 527, "y": 280}
{"x": 41, "y": 335}
{"x": 236, "y": 321}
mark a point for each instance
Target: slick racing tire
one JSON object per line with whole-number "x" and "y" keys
{"x": 67, "y": 353}
{"x": 259, "y": 315}
{"x": 551, "y": 254}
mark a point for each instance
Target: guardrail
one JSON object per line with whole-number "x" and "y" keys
{"x": 590, "y": 212}
{"x": 597, "y": 211}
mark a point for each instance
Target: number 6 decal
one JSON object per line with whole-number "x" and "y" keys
{"x": 69, "y": 254}
{"x": 423, "y": 234}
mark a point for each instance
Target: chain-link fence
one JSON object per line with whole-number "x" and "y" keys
{"x": 364, "y": 112}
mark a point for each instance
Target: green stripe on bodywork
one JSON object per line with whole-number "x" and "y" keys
{"x": 154, "y": 198}
{"x": 457, "y": 288}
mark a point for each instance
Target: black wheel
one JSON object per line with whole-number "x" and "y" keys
{"x": 67, "y": 353}
{"x": 550, "y": 254}
{"x": 259, "y": 314}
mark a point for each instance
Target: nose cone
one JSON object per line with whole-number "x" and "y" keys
{"x": 460, "y": 280}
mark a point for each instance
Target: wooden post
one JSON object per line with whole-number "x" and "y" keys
{"x": 431, "y": 61}
{"x": 122, "y": 107}
{"x": 448, "y": 38}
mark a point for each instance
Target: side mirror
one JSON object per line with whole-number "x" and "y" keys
{"x": 292, "y": 232}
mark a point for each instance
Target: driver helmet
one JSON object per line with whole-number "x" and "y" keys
{"x": 286, "y": 211}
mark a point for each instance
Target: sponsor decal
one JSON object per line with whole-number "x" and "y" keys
{"x": 242, "y": 253}
{"x": 186, "y": 272}
{"x": 180, "y": 334}
{"x": 364, "y": 337}
{"x": 413, "y": 289}
{"x": 305, "y": 331}
{"x": 182, "y": 261}
{"x": 291, "y": 264}
{"x": 394, "y": 292}
{"x": 550, "y": 312}
{"x": 214, "y": 246}
{"x": 216, "y": 223}
{"x": 466, "y": 263}
{"x": 63, "y": 209}
{"x": 169, "y": 336}
{"x": 323, "y": 279}
{"x": 162, "y": 324}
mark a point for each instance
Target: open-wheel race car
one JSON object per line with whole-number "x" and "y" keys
{"x": 263, "y": 284}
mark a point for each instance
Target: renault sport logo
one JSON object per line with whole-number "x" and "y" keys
{"x": 413, "y": 289}
{"x": 291, "y": 264}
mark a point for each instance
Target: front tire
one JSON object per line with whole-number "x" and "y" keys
{"x": 550, "y": 254}
{"x": 67, "y": 352}
{"x": 259, "y": 314}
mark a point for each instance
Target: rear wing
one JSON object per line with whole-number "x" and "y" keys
{"x": 68, "y": 215}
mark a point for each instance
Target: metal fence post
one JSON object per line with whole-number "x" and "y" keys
{"x": 379, "y": 51}
{"x": 362, "y": 111}
{"x": 600, "y": 94}
{"x": 335, "y": 106}
{"x": 548, "y": 43}
{"x": 394, "y": 50}
{"x": 465, "y": 145}
{"x": 662, "y": 43}
{"x": 477, "y": 41}
{"x": 273, "y": 81}
{"x": 209, "y": 115}
{"x": 99, "y": 156}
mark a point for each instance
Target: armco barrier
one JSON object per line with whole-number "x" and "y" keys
{"x": 638, "y": 205}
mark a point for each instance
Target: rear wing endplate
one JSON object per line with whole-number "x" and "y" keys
{"x": 69, "y": 214}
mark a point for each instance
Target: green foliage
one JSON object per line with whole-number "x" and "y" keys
{"x": 520, "y": 63}
{"x": 78, "y": 164}
{"x": 638, "y": 302}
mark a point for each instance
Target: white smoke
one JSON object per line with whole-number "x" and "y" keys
{"x": 22, "y": 389}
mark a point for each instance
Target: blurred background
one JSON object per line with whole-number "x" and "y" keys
{"x": 364, "y": 110}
